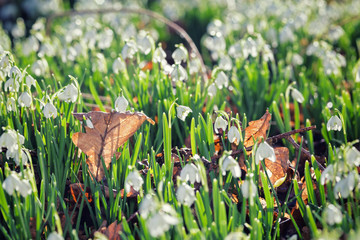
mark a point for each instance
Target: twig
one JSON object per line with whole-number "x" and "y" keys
{"x": 140, "y": 11}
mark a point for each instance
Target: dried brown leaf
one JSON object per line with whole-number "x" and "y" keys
{"x": 111, "y": 130}
{"x": 257, "y": 129}
{"x": 278, "y": 169}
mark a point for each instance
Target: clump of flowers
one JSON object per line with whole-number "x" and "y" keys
{"x": 13, "y": 141}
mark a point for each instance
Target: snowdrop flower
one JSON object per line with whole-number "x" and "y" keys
{"x": 121, "y": 104}
{"x": 220, "y": 123}
{"x": 133, "y": 180}
{"x": 30, "y": 81}
{"x": 334, "y": 123}
{"x": 11, "y": 140}
{"x": 185, "y": 194}
{"x": 332, "y": 214}
{"x": 234, "y": 135}
{"x": 30, "y": 45}
{"x": 10, "y": 104}
{"x": 15, "y": 73}
{"x": 335, "y": 32}
{"x": 268, "y": 54}
{"x": 50, "y": 110}
{"x": 179, "y": 73}
{"x": 264, "y": 150}
{"x": 286, "y": 35}
{"x": 190, "y": 173}
{"x": 182, "y": 112}
{"x": 327, "y": 175}
{"x": 194, "y": 65}
{"x": 148, "y": 205}
{"x": 99, "y": 63}
{"x": 118, "y": 65}
{"x": 129, "y": 49}
{"x": 12, "y": 85}
{"x": 248, "y": 188}
{"x": 144, "y": 42}
{"x": 24, "y": 99}
{"x": 159, "y": 54}
{"x": 46, "y": 49}
{"x": 55, "y": 236}
{"x": 352, "y": 156}
{"x": 296, "y": 94}
{"x": 12, "y": 183}
{"x": 225, "y": 63}
{"x": 69, "y": 94}
{"x": 180, "y": 54}
{"x": 221, "y": 80}
{"x": 212, "y": 90}
{"x": 297, "y": 59}
{"x": 105, "y": 38}
{"x": 161, "y": 222}
{"x": 345, "y": 186}
{"x": 40, "y": 67}
{"x": 216, "y": 27}
{"x": 230, "y": 164}
{"x": 236, "y": 236}
{"x": 249, "y": 48}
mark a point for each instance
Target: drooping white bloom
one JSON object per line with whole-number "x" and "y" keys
{"x": 105, "y": 38}
{"x": 144, "y": 42}
{"x": 118, "y": 65}
{"x": 345, "y": 186}
{"x": 180, "y": 54}
{"x": 159, "y": 54}
{"x": 216, "y": 27}
{"x": 16, "y": 156}
{"x": 30, "y": 45}
{"x": 332, "y": 214}
{"x": 50, "y": 110}
{"x": 297, "y": 59}
{"x": 30, "y": 81}
{"x": 148, "y": 205}
{"x": 12, "y": 85}
{"x": 352, "y": 156}
{"x": 220, "y": 123}
{"x": 234, "y": 135}
{"x": 286, "y": 35}
{"x": 327, "y": 175}
{"x": 179, "y": 73}
{"x": 133, "y": 180}
{"x": 55, "y": 236}
{"x": 185, "y": 194}
{"x": 268, "y": 55}
{"x": 69, "y": 94}
{"x": 10, "y": 104}
{"x": 264, "y": 151}
{"x": 182, "y": 112}
{"x": 335, "y": 32}
{"x": 248, "y": 188}
{"x": 194, "y": 65}
{"x": 296, "y": 94}
{"x": 160, "y": 222}
{"x": 40, "y": 67}
{"x": 121, "y": 104}
{"x": 190, "y": 173}
{"x": 334, "y": 123}
{"x": 129, "y": 49}
{"x": 221, "y": 80}
{"x": 225, "y": 63}
{"x": 212, "y": 90}
{"x": 230, "y": 164}
{"x": 15, "y": 73}
{"x": 236, "y": 236}
{"x": 99, "y": 63}
{"x": 24, "y": 100}
{"x": 12, "y": 183}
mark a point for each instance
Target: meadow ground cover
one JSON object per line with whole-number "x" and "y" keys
{"x": 113, "y": 127}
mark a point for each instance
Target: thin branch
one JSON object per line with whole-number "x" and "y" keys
{"x": 182, "y": 33}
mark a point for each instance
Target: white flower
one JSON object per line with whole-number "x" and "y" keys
{"x": 133, "y": 180}
{"x": 190, "y": 173}
{"x": 118, "y": 65}
{"x": 161, "y": 221}
{"x": 297, "y": 59}
{"x": 221, "y": 80}
{"x": 180, "y": 55}
{"x": 16, "y": 156}
{"x": 121, "y": 104}
{"x": 225, "y": 63}
{"x": 24, "y": 99}
{"x": 230, "y": 164}
{"x": 129, "y": 49}
{"x": 248, "y": 189}
{"x": 159, "y": 55}
{"x": 345, "y": 186}
{"x": 145, "y": 43}
{"x": 12, "y": 183}
{"x": 185, "y": 194}
{"x": 212, "y": 90}
{"x": 31, "y": 44}
{"x": 182, "y": 112}
{"x": 50, "y": 110}
{"x": 357, "y": 75}
{"x": 234, "y": 135}
{"x": 264, "y": 151}
{"x": 12, "y": 85}
{"x": 55, "y": 236}
{"x": 353, "y": 156}
{"x": 286, "y": 35}
{"x": 179, "y": 73}
{"x": 40, "y": 67}
{"x": 220, "y": 123}
{"x": 69, "y": 94}
{"x": 105, "y": 38}
{"x": 236, "y": 236}
{"x": 194, "y": 65}
{"x": 10, "y": 104}
{"x": 296, "y": 94}
{"x": 30, "y": 81}
{"x": 327, "y": 175}
{"x": 332, "y": 214}
{"x": 148, "y": 205}
{"x": 334, "y": 123}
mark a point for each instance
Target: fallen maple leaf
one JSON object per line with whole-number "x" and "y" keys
{"x": 109, "y": 132}
{"x": 257, "y": 129}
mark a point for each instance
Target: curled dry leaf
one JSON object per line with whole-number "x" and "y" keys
{"x": 277, "y": 170}
{"x": 109, "y": 132}
{"x": 112, "y": 231}
{"x": 257, "y": 129}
